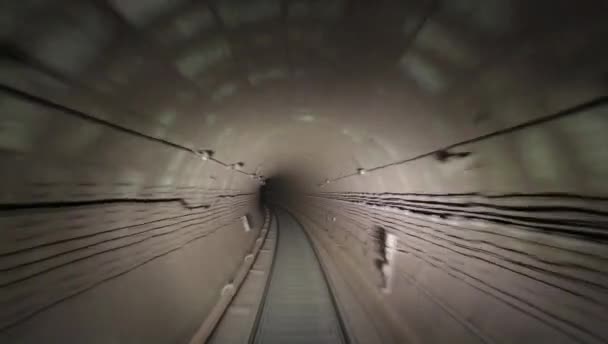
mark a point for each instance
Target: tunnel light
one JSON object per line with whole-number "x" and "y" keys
{"x": 331, "y": 218}
{"x": 325, "y": 182}
{"x": 246, "y": 223}
{"x": 361, "y": 171}
{"x": 389, "y": 267}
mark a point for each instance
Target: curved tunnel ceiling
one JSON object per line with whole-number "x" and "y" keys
{"x": 429, "y": 118}
{"x": 321, "y": 89}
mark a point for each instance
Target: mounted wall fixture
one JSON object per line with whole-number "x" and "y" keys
{"x": 238, "y": 166}
{"x": 205, "y": 154}
{"x": 383, "y": 245}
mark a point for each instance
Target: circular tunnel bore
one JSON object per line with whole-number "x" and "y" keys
{"x": 135, "y": 137}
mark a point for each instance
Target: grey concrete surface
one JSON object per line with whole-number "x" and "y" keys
{"x": 471, "y": 131}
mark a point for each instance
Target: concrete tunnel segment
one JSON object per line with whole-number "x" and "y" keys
{"x": 135, "y": 135}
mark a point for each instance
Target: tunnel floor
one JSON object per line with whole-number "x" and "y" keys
{"x": 298, "y": 306}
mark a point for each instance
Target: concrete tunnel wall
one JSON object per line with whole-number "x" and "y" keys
{"x": 113, "y": 229}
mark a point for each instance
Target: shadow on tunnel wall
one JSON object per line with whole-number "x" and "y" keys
{"x": 448, "y": 159}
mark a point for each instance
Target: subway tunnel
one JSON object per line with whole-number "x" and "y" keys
{"x": 303, "y": 171}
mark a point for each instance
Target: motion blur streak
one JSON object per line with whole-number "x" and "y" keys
{"x": 297, "y": 171}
